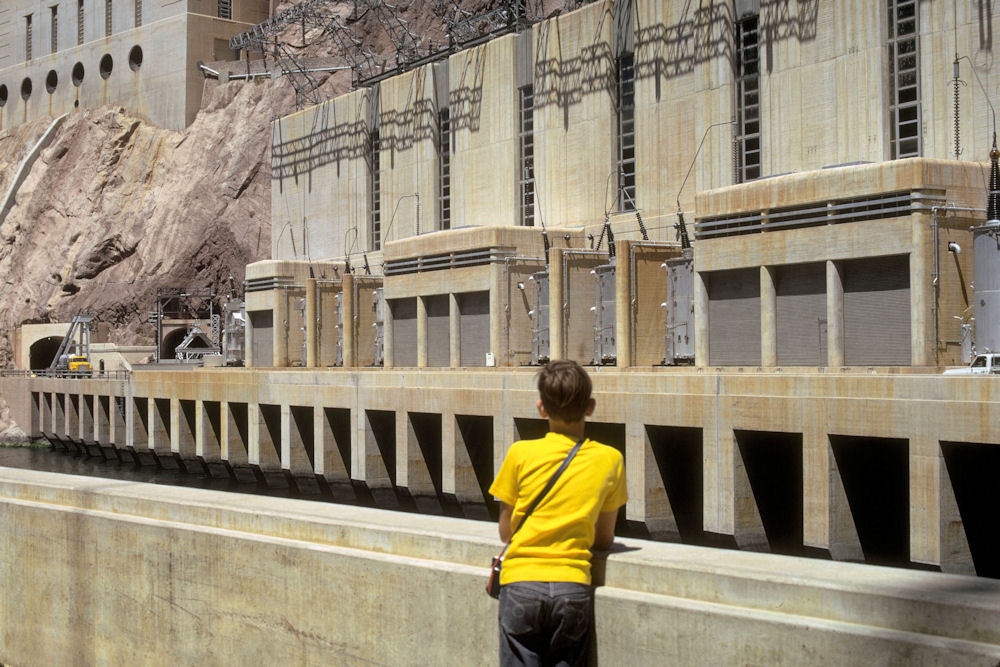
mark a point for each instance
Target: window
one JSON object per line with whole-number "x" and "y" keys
{"x": 444, "y": 166}
{"x": 27, "y": 37}
{"x": 138, "y": 13}
{"x": 904, "y": 80}
{"x": 626, "y": 132}
{"x": 55, "y": 29}
{"x": 79, "y": 21}
{"x": 747, "y": 99}
{"x": 107, "y": 18}
{"x": 225, "y": 9}
{"x": 526, "y": 109}
{"x": 376, "y": 194}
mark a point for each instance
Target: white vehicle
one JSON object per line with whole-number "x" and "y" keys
{"x": 983, "y": 364}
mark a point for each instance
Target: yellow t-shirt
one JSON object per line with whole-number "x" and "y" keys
{"x": 554, "y": 545}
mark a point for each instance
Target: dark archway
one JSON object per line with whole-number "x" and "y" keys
{"x": 43, "y": 351}
{"x": 170, "y": 342}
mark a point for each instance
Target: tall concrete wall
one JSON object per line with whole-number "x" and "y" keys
{"x": 824, "y": 100}
{"x": 106, "y": 572}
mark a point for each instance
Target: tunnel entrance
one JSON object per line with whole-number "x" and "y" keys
{"x": 42, "y": 352}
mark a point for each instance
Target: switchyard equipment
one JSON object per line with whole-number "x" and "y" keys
{"x": 605, "y": 350}
{"x": 679, "y": 308}
{"x": 540, "y": 318}
{"x": 986, "y": 248}
{"x": 234, "y": 333}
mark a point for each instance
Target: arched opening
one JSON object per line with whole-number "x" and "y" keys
{"x": 26, "y": 89}
{"x": 170, "y": 342}
{"x": 3, "y": 95}
{"x": 43, "y": 351}
{"x": 106, "y": 66}
{"x": 135, "y": 58}
{"x": 78, "y": 73}
{"x": 51, "y": 81}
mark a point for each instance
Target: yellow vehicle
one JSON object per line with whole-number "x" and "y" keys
{"x": 79, "y": 364}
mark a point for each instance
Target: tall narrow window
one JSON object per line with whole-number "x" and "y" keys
{"x": 225, "y": 9}
{"x": 376, "y": 193}
{"x": 626, "y": 132}
{"x": 904, "y": 79}
{"x": 138, "y": 13}
{"x": 526, "y": 108}
{"x": 27, "y": 37}
{"x": 55, "y": 29}
{"x": 444, "y": 168}
{"x": 79, "y": 21}
{"x": 107, "y": 18}
{"x": 748, "y": 98}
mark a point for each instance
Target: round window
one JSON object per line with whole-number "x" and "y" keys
{"x": 106, "y": 66}
{"x": 3, "y": 95}
{"x": 51, "y": 81}
{"x": 135, "y": 58}
{"x": 78, "y": 74}
{"x": 26, "y": 89}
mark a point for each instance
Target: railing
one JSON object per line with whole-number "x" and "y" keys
{"x": 74, "y": 375}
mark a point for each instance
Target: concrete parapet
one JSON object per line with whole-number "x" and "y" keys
{"x": 185, "y": 569}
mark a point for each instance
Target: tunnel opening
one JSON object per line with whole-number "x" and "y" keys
{"x": 474, "y": 466}
{"x": 43, "y": 352}
{"x": 168, "y": 348}
{"x": 876, "y": 477}
{"x": 973, "y": 469}
{"x": 773, "y": 463}
{"x": 677, "y": 451}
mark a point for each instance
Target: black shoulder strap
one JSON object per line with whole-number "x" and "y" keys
{"x": 549, "y": 485}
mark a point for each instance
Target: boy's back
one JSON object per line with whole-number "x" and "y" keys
{"x": 555, "y": 543}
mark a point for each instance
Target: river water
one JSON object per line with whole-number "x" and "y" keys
{"x": 72, "y": 463}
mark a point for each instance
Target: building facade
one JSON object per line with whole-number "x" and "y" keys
{"x": 61, "y": 55}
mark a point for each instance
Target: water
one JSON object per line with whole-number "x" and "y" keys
{"x": 47, "y": 459}
{"x": 71, "y": 462}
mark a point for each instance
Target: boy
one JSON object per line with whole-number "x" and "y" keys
{"x": 546, "y": 602}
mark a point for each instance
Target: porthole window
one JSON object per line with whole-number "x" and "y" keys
{"x": 135, "y": 58}
{"x": 3, "y": 95}
{"x": 78, "y": 74}
{"x": 26, "y": 89}
{"x": 51, "y": 81}
{"x": 107, "y": 65}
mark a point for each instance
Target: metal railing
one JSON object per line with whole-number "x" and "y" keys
{"x": 69, "y": 375}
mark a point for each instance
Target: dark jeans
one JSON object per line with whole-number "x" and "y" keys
{"x": 545, "y": 623}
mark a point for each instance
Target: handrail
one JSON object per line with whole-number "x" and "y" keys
{"x": 66, "y": 374}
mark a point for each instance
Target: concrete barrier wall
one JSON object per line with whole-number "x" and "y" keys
{"x": 97, "y": 571}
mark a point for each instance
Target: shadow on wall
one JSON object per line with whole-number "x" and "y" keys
{"x": 705, "y": 32}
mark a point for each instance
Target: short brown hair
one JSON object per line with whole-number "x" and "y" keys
{"x": 564, "y": 388}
